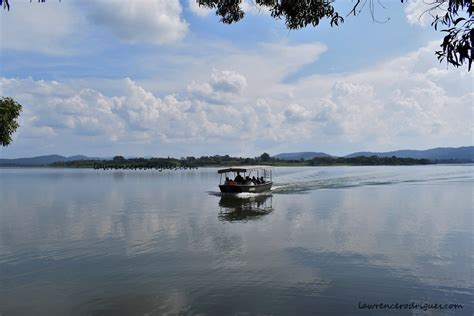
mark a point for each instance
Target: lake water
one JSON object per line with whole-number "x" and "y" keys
{"x": 326, "y": 240}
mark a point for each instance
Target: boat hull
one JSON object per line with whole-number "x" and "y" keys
{"x": 241, "y": 188}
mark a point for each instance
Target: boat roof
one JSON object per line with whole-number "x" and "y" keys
{"x": 244, "y": 169}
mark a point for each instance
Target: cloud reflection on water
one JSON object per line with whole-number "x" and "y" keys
{"x": 159, "y": 243}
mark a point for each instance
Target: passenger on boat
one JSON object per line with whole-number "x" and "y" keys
{"x": 248, "y": 180}
{"x": 239, "y": 178}
{"x": 254, "y": 180}
{"x": 262, "y": 180}
{"x": 228, "y": 181}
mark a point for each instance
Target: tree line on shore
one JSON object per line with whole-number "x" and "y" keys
{"x": 185, "y": 163}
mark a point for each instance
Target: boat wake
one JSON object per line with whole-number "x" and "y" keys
{"x": 243, "y": 195}
{"x": 301, "y": 181}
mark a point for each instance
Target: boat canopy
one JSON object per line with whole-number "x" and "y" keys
{"x": 244, "y": 169}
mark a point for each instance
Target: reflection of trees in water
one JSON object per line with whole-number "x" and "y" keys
{"x": 237, "y": 208}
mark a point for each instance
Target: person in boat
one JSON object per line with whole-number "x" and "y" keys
{"x": 239, "y": 178}
{"x": 262, "y": 180}
{"x": 254, "y": 180}
{"x": 229, "y": 181}
{"x": 248, "y": 181}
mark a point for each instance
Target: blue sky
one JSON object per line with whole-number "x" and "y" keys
{"x": 162, "y": 77}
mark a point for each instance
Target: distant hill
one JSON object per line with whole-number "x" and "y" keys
{"x": 440, "y": 155}
{"x": 297, "y": 156}
{"x": 448, "y": 154}
{"x": 41, "y": 160}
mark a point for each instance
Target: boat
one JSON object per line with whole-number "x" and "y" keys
{"x": 252, "y": 179}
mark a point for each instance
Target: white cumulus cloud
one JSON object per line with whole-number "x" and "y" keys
{"x": 37, "y": 27}
{"x": 151, "y": 21}
{"x": 410, "y": 101}
{"x": 223, "y": 86}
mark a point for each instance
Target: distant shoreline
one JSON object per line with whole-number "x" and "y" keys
{"x": 121, "y": 163}
{"x": 215, "y": 166}
{"x": 439, "y": 155}
{"x": 219, "y": 166}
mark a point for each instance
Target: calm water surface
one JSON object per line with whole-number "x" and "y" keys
{"x": 325, "y": 240}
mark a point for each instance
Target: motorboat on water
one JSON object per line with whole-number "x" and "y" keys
{"x": 245, "y": 179}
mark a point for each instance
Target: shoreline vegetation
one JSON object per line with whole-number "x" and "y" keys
{"x": 185, "y": 163}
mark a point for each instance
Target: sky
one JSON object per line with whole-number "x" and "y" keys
{"x": 167, "y": 78}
